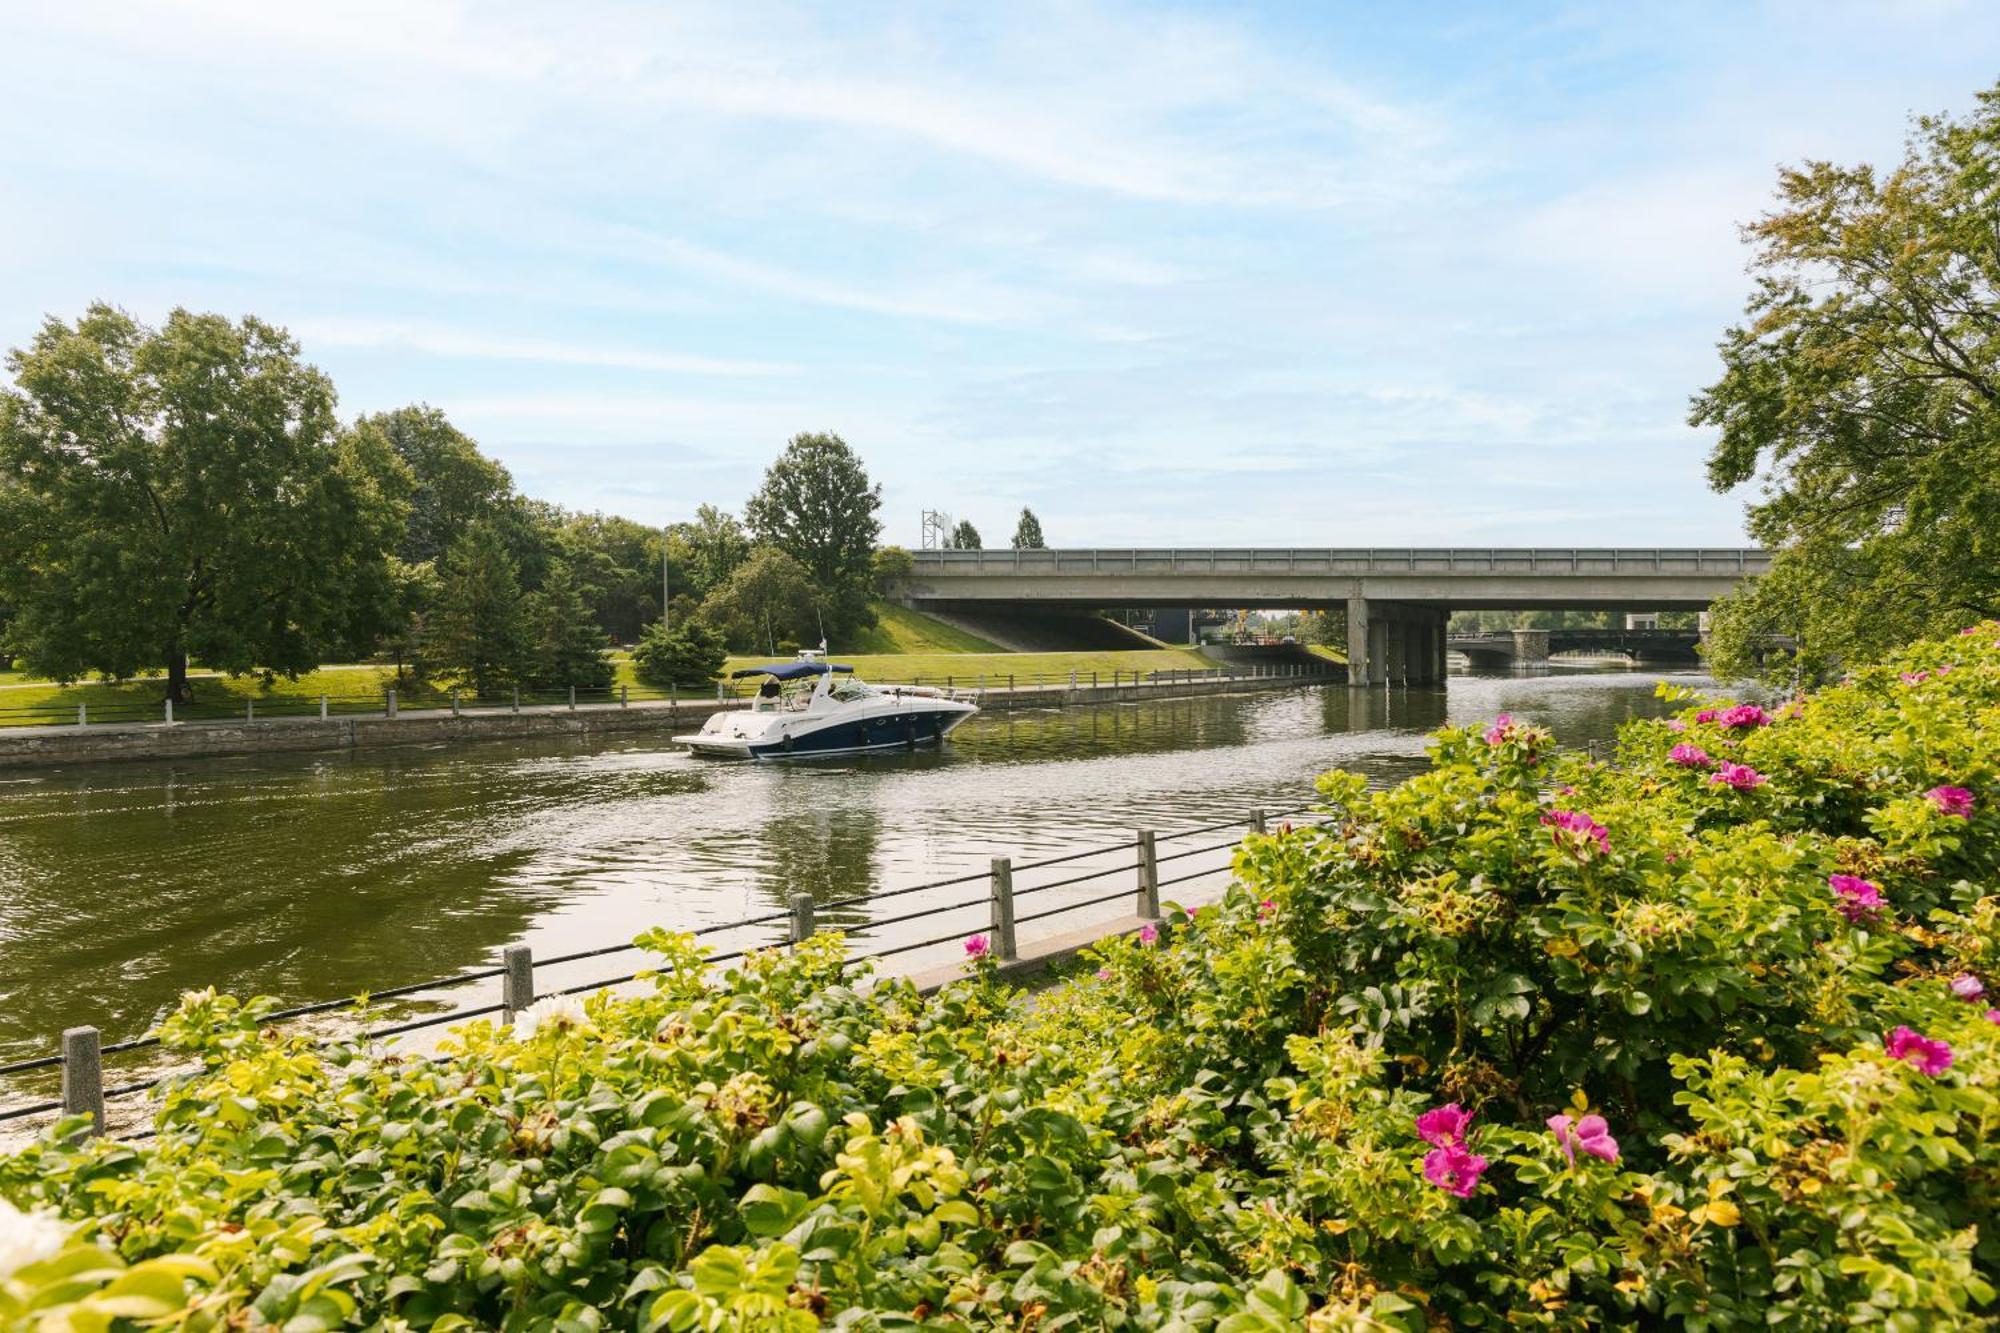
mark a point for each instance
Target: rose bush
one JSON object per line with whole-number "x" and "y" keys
{"x": 1526, "y": 1040}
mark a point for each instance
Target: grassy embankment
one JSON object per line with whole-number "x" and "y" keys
{"x": 905, "y": 645}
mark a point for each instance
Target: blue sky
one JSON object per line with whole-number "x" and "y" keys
{"x": 1286, "y": 274}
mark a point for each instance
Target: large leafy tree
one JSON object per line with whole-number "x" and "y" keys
{"x": 187, "y": 491}
{"x": 818, "y": 506}
{"x": 1863, "y": 388}
{"x": 768, "y": 598}
{"x": 965, "y": 537}
{"x": 1028, "y": 532}
{"x": 452, "y": 482}
{"x": 478, "y": 630}
{"x": 705, "y": 552}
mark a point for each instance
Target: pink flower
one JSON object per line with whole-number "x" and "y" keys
{"x": 1265, "y": 908}
{"x": 1860, "y": 899}
{"x": 1689, "y": 756}
{"x": 1676, "y": 724}
{"x": 1967, "y": 987}
{"x": 1148, "y": 933}
{"x": 1968, "y": 630}
{"x": 1590, "y": 1134}
{"x": 1740, "y": 776}
{"x": 1951, "y": 801}
{"x": 1454, "y": 1169}
{"x": 1993, "y": 1015}
{"x": 1933, "y": 1057}
{"x": 1915, "y": 677}
{"x": 1707, "y": 715}
{"x": 1498, "y": 732}
{"x": 1443, "y": 1125}
{"x": 1580, "y": 829}
{"x": 1745, "y": 715}
{"x": 1104, "y": 974}
{"x": 977, "y": 946}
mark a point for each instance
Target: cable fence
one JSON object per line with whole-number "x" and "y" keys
{"x": 101, "y": 709}
{"x": 525, "y": 979}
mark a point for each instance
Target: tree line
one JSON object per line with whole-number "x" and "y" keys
{"x": 188, "y": 494}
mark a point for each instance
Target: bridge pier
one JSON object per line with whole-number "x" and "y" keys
{"x": 1393, "y": 644}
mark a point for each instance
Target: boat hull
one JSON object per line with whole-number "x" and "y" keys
{"x": 880, "y": 733}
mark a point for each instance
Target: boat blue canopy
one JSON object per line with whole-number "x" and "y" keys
{"x": 791, "y": 670}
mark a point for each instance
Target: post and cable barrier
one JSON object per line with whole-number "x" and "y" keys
{"x": 80, "y": 1056}
{"x": 409, "y": 700}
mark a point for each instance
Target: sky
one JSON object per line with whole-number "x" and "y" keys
{"x": 1306, "y": 274}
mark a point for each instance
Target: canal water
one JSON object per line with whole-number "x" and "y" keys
{"x": 312, "y": 877}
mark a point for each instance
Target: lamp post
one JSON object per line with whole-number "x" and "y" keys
{"x": 666, "y": 551}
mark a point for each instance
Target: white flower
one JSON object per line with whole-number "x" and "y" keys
{"x": 557, "y": 1013}
{"x": 27, "y": 1238}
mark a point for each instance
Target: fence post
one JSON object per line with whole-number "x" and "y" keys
{"x": 392, "y": 704}
{"x": 454, "y": 703}
{"x": 572, "y": 698}
{"x": 170, "y": 712}
{"x": 1148, "y": 904}
{"x": 1257, "y": 821}
{"x": 517, "y": 984}
{"x": 517, "y": 698}
{"x": 622, "y": 700}
{"x": 249, "y": 710}
{"x": 82, "y": 716}
{"x": 322, "y": 708}
{"x": 83, "y": 1075}
{"x": 1003, "y": 909}
{"x": 803, "y": 925}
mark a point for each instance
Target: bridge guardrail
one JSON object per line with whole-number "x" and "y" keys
{"x": 1351, "y": 560}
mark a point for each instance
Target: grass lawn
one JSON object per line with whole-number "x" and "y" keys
{"x": 901, "y": 630}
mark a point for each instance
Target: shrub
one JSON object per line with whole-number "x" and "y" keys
{"x": 1527, "y": 1040}
{"x": 690, "y": 655}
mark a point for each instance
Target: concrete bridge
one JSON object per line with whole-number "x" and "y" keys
{"x": 1680, "y": 647}
{"x": 1397, "y": 599}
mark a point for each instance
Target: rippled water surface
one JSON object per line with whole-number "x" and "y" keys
{"x": 308, "y": 877}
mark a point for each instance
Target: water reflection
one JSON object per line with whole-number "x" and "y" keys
{"x": 312, "y": 877}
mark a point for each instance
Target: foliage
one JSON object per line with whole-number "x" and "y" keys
{"x": 1864, "y": 386}
{"x": 767, "y": 598}
{"x": 451, "y": 482}
{"x": 707, "y": 551}
{"x": 818, "y": 506}
{"x": 964, "y": 537}
{"x": 1028, "y": 532}
{"x": 689, "y": 655}
{"x": 566, "y": 647}
{"x": 1529, "y": 1040}
{"x": 892, "y": 566}
{"x": 184, "y": 491}
{"x": 478, "y": 632}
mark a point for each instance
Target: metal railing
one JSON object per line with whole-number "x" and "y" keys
{"x": 1350, "y": 560}
{"x": 395, "y": 703}
{"x": 81, "y": 1053}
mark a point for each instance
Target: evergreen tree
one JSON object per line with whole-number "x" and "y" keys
{"x": 478, "y": 633}
{"x": 965, "y": 537}
{"x": 569, "y": 646}
{"x": 690, "y": 655}
{"x": 1028, "y": 532}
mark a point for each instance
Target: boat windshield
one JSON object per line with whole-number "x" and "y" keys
{"x": 849, "y": 689}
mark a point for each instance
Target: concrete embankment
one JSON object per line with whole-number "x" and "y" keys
{"x": 44, "y": 747}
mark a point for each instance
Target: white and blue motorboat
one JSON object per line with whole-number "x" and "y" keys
{"x": 812, "y": 707}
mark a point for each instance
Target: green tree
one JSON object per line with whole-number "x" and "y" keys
{"x": 965, "y": 537}
{"x": 1863, "y": 386}
{"x": 568, "y": 646}
{"x": 818, "y": 505}
{"x": 705, "y": 553}
{"x": 893, "y": 565}
{"x": 478, "y": 631}
{"x": 768, "y": 598}
{"x": 452, "y": 483}
{"x": 690, "y": 655}
{"x": 1028, "y": 532}
{"x": 185, "y": 492}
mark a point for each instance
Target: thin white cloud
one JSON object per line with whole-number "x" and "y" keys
{"x": 451, "y": 342}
